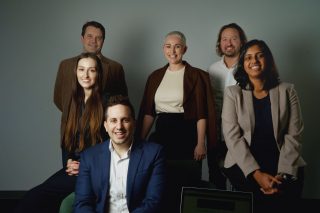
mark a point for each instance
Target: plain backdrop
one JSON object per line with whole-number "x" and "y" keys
{"x": 37, "y": 34}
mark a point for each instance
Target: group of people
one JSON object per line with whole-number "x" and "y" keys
{"x": 238, "y": 115}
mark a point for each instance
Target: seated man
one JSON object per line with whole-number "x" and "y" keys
{"x": 121, "y": 174}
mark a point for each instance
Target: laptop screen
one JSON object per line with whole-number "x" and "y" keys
{"x": 203, "y": 200}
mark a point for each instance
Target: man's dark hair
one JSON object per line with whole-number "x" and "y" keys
{"x": 122, "y": 100}
{"x": 93, "y": 24}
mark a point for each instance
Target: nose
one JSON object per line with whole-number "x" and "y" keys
{"x": 256, "y": 58}
{"x": 173, "y": 50}
{"x": 119, "y": 125}
{"x": 86, "y": 74}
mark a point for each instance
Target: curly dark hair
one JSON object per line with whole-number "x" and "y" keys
{"x": 270, "y": 73}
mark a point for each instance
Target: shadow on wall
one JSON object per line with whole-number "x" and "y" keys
{"x": 140, "y": 55}
{"x": 303, "y": 71}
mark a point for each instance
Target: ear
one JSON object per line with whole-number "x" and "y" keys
{"x": 105, "y": 124}
{"x": 185, "y": 49}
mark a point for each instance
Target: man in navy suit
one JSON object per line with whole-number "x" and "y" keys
{"x": 121, "y": 174}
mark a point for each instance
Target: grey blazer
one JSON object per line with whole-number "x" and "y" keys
{"x": 238, "y": 124}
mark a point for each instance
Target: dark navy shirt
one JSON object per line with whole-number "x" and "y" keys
{"x": 263, "y": 145}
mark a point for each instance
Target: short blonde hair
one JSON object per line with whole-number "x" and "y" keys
{"x": 180, "y": 35}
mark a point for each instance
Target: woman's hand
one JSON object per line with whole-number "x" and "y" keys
{"x": 267, "y": 182}
{"x": 72, "y": 167}
{"x": 200, "y": 152}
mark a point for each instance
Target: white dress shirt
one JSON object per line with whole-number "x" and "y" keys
{"x": 221, "y": 77}
{"x": 118, "y": 181}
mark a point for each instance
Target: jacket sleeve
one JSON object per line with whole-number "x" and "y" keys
{"x": 84, "y": 196}
{"x": 291, "y": 147}
{"x": 57, "y": 96}
{"x": 147, "y": 107}
{"x": 211, "y": 130}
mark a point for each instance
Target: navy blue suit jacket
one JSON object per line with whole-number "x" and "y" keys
{"x": 145, "y": 181}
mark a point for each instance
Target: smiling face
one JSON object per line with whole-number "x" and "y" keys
{"x": 230, "y": 42}
{"x": 92, "y": 40}
{"x": 174, "y": 49}
{"x": 254, "y": 62}
{"x": 87, "y": 73}
{"x": 120, "y": 125}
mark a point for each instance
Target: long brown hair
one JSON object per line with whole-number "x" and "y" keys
{"x": 84, "y": 123}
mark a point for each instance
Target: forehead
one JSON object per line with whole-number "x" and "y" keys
{"x": 253, "y": 49}
{"x": 118, "y": 111}
{"x": 87, "y": 62}
{"x": 173, "y": 39}
{"x": 93, "y": 30}
{"x": 230, "y": 32}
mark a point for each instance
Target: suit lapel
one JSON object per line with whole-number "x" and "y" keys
{"x": 135, "y": 157}
{"x": 274, "y": 99}
{"x": 104, "y": 166}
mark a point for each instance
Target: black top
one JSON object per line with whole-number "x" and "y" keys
{"x": 263, "y": 146}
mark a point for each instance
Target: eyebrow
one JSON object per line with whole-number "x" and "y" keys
{"x": 86, "y": 67}
{"x": 254, "y": 53}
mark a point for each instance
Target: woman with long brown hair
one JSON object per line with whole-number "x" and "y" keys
{"x": 83, "y": 129}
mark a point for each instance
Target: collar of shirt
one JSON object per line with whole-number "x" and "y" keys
{"x": 112, "y": 150}
{"x": 225, "y": 66}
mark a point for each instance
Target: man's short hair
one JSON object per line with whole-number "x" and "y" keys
{"x": 122, "y": 100}
{"x": 93, "y": 24}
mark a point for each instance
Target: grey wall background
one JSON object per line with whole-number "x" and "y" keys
{"x": 37, "y": 35}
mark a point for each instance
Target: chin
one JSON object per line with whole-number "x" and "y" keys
{"x": 122, "y": 141}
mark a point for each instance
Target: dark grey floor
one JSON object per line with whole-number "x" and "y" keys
{"x": 9, "y": 199}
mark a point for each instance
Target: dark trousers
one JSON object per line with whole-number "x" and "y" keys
{"x": 180, "y": 174}
{"x": 215, "y": 159}
{"x": 177, "y": 135}
{"x": 48, "y": 196}
{"x": 291, "y": 191}
{"x": 179, "y": 138}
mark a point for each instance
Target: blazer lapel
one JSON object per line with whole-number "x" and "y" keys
{"x": 135, "y": 157}
{"x": 104, "y": 166}
{"x": 189, "y": 81}
{"x": 274, "y": 99}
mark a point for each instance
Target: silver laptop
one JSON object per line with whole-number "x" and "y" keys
{"x": 204, "y": 200}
